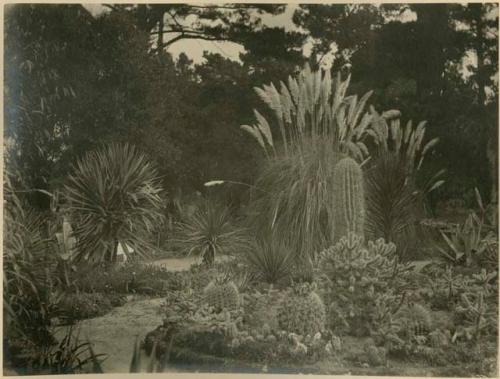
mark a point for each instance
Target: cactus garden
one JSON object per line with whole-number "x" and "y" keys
{"x": 288, "y": 211}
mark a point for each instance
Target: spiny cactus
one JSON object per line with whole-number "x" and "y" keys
{"x": 349, "y": 198}
{"x": 302, "y": 311}
{"x": 415, "y": 320}
{"x": 222, "y": 293}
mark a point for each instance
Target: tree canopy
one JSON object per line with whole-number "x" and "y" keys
{"x": 73, "y": 80}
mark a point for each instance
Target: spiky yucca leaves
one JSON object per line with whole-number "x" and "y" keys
{"x": 222, "y": 293}
{"x": 210, "y": 232}
{"x": 349, "y": 199}
{"x": 395, "y": 204}
{"x": 407, "y": 143}
{"x": 114, "y": 197}
{"x": 302, "y": 311}
{"x": 270, "y": 259}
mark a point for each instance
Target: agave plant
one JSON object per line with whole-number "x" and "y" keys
{"x": 210, "y": 232}
{"x": 473, "y": 241}
{"x": 113, "y": 198}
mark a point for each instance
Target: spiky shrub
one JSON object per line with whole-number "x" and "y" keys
{"x": 302, "y": 311}
{"x": 113, "y": 197}
{"x": 475, "y": 241}
{"x": 395, "y": 188}
{"x": 210, "y": 232}
{"x": 394, "y": 205}
{"x": 349, "y": 198}
{"x": 271, "y": 260}
{"x": 222, "y": 293}
{"x": 356, "y": 275}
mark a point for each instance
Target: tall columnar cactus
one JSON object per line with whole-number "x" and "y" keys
{"x": 349, "y": 199}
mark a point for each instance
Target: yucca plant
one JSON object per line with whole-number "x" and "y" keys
{"x": 271, "y": 260}
{"x": 395, "y": 203}
{"x": 210, "y": 232}
{"x": 113, "y": 197}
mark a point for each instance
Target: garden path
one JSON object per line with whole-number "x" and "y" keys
{"x": 114, "y": 333}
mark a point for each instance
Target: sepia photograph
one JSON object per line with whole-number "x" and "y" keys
{"x": 250, "y": 188}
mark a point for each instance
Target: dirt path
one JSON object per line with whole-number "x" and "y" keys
{"x": 114, "y": 333}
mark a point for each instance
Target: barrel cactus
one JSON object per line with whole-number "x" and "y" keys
{"x": 221, "y": 293}
{"x": 416, "y": 320}
{"x": 349, "y": 198}
{"x": 302, "y": 311}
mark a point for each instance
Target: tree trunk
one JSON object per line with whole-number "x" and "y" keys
{"x": 209, "y": 257}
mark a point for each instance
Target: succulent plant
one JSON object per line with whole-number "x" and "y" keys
{"x": 221, "y": 293}
{"x": 349, "y": 199}
{"x": 415, "y": 320}
{"x": 302, "y": 311}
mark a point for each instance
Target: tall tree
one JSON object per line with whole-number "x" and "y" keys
{"x": 169, "y": 23}
{"x": 413, "y": 56}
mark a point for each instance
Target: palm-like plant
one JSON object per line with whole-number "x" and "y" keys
{"x": 395, "y": 204}
{"x": 113, "y": 197}
{"x": 210, "y": 232}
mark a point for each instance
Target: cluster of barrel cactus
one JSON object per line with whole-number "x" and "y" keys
{"x": 302, "y": 311}
{"x": 415, "y": 321}
{"x": 221, "y": 293}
